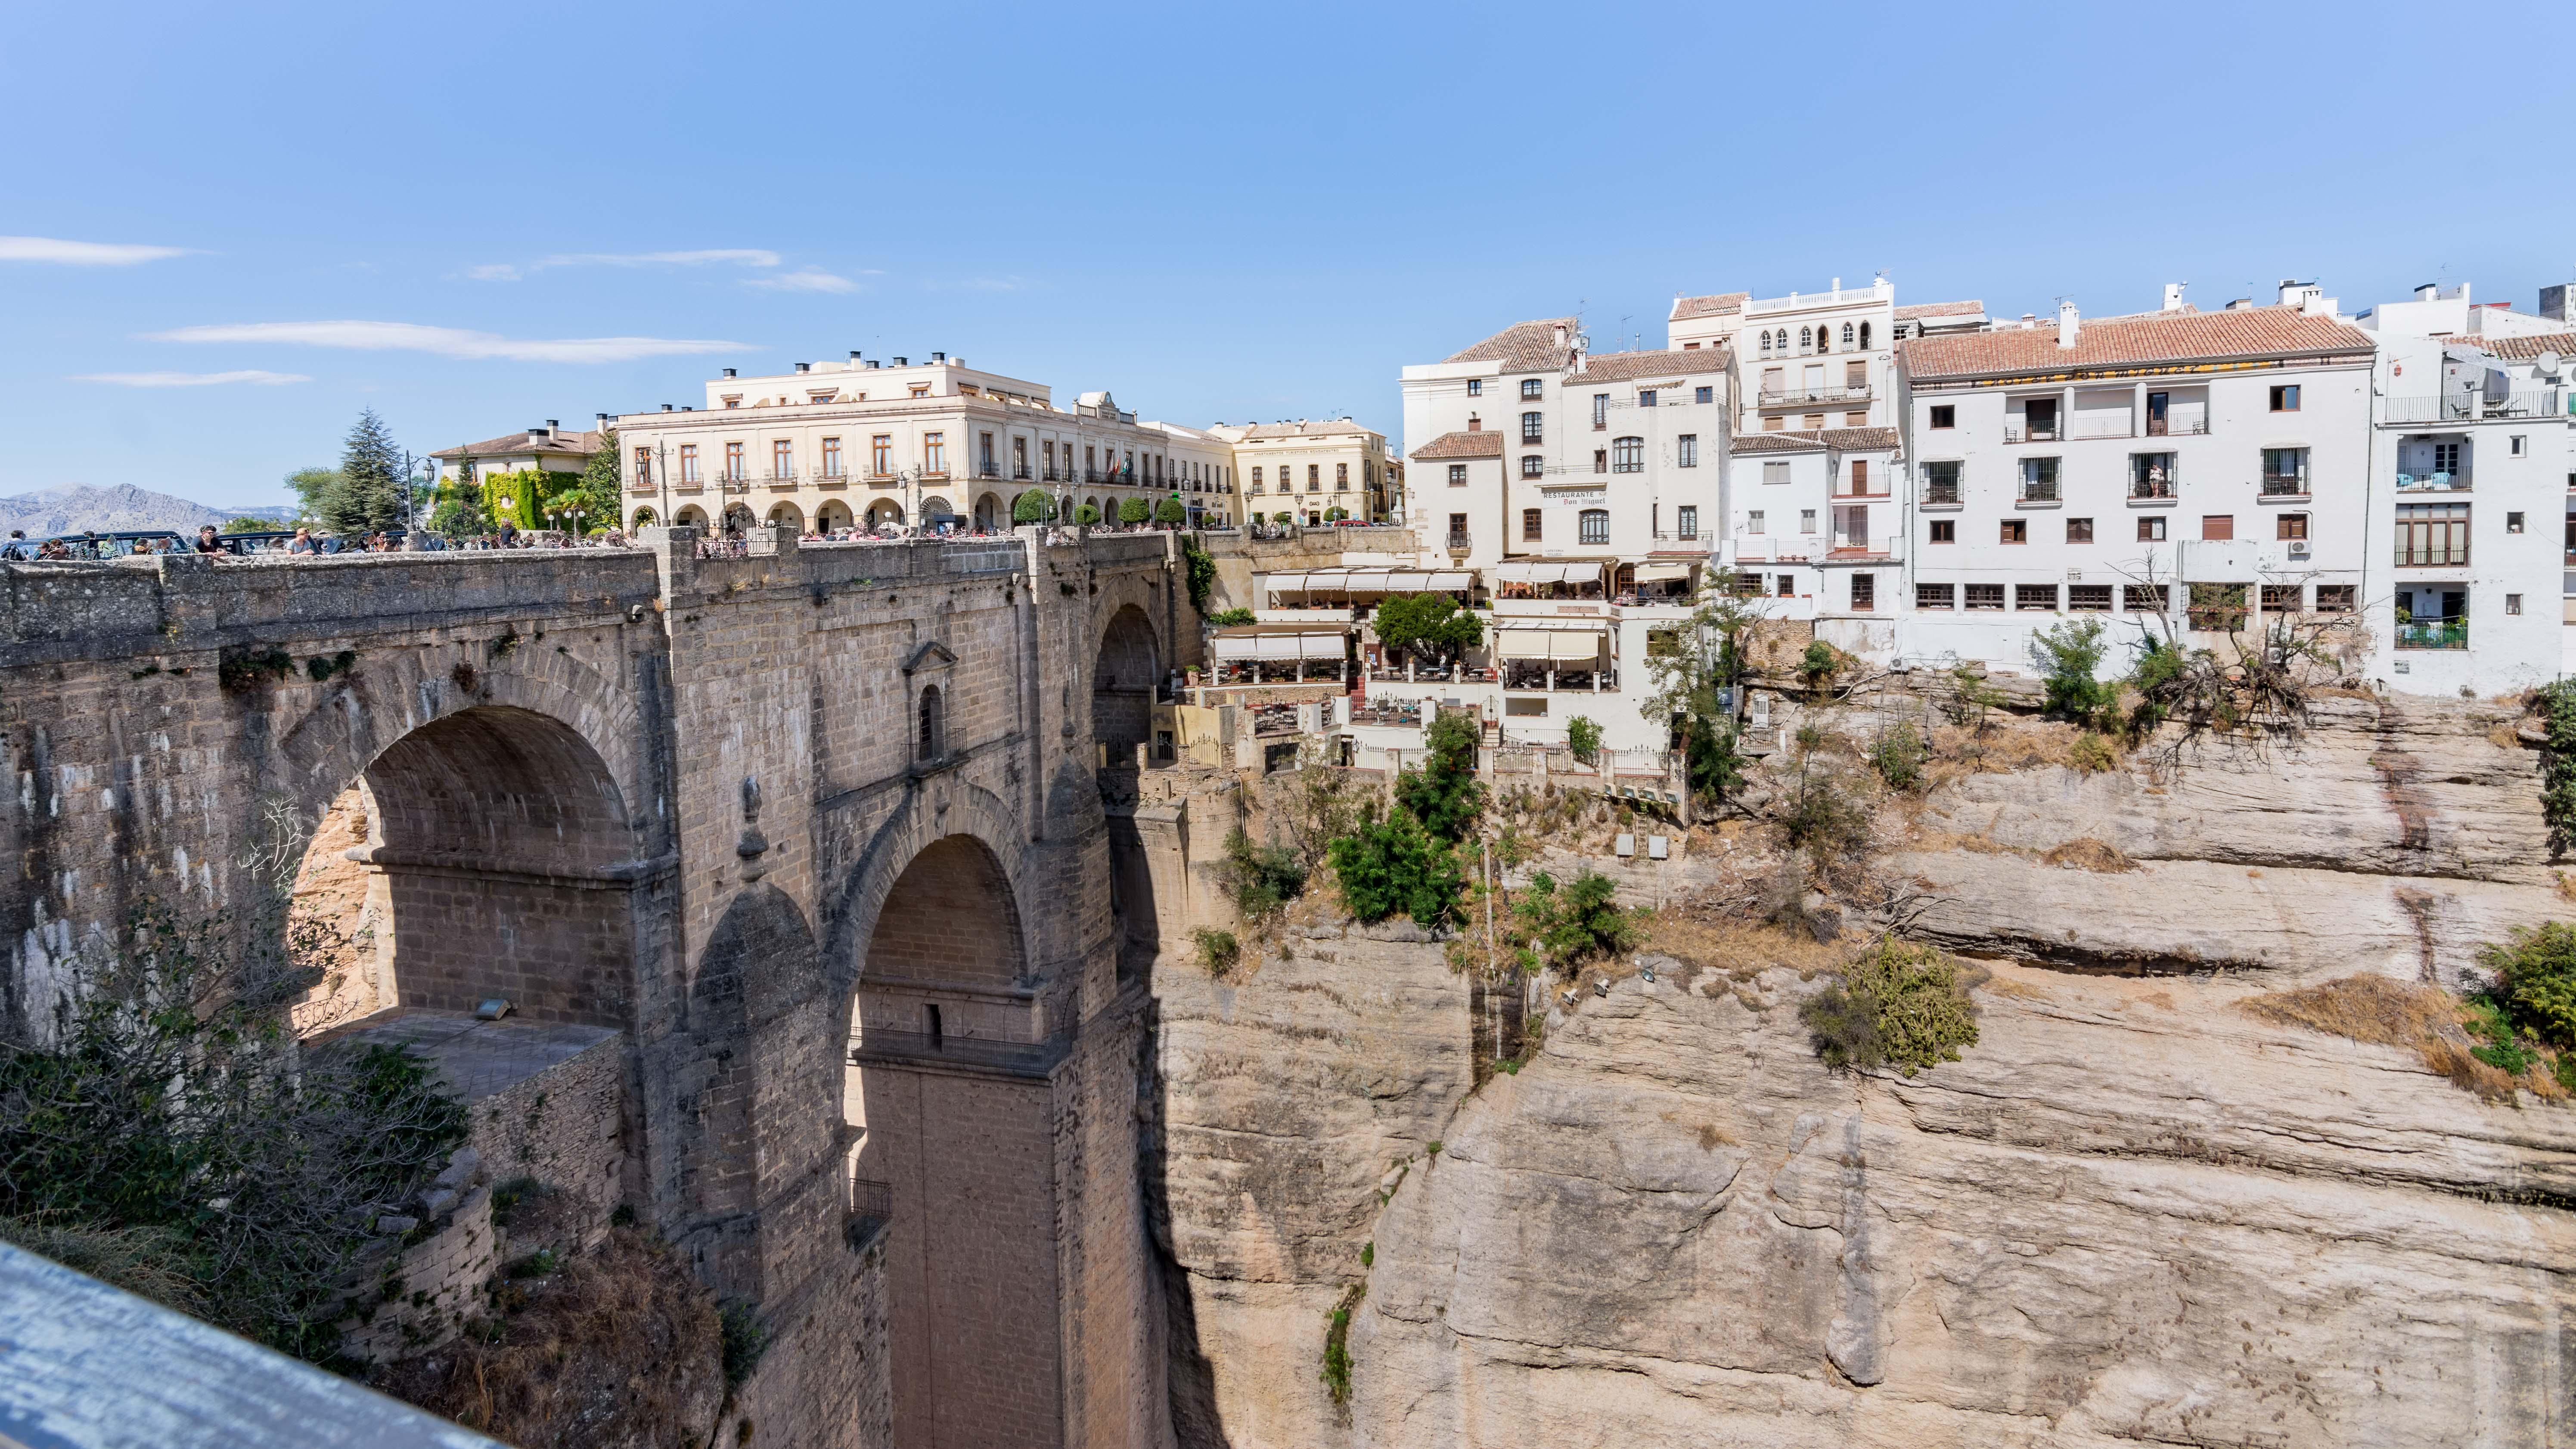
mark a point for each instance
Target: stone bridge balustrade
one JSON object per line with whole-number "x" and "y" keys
{"x": 690, "y": 799}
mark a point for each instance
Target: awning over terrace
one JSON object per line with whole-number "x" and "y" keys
{"x": 1281, "y": 648}
{"x": 1562, "y": 646}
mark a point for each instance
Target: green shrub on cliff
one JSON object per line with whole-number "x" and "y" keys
{"x": 1897, "y": 1005}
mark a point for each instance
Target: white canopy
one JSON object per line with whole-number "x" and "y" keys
{"x": 1565, "y": 646}
{"x": 1658, "y": 573}
{"x": 1282, "y": 648}
{"x": 1530, "y": 571}
{"x": 1349, "y": 581}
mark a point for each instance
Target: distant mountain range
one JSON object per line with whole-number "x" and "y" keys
{"x": 80, "y": 508}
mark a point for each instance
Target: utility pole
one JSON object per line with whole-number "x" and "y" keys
{"x": 1485, "y": 877}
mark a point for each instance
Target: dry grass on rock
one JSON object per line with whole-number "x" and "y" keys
{"x": 2389, "y": 1012}
{"x": 2087, "y": 853}
{"x": 617, "y": 1349}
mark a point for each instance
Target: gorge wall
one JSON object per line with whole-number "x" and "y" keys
{"x": 2133, "y": 1213}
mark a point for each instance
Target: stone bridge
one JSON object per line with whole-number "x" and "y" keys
{"x": 816, "y": 830}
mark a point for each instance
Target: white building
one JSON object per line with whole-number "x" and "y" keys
{"x": 1804, "y": 362}
{"x": 835, "y": 445}
{"x": 2473, "y": 469}
{"x": 1815, "y": 524}
{"x": 1527, "y": 446}
{"x": 2185, "y": 464}
{"x": 1308, "y": 468}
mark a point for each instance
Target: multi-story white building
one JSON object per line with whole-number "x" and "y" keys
{"x": 1814, "y": 524}
{"x": 2472, "y": 475}
{"x": 1804, "y": 362}
{"x": 1307, "y": 468}
{"x": 862, "y": 443}
{"x": 1527, "y": 446}
{"x": 2191, "y": 466}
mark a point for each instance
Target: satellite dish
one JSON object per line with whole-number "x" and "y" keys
{"x": 2547, "y": 362}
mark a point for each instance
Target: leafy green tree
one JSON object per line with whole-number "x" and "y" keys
{"x": 2535, "y": 981}
{"x": 1133, "y": 510}
{"x": 2068, "y": 654}
{"x": 2558, "y": 764}
{"x": 1697, "y": 672}
{"x": 373, "y": 491}
{"x": 1445, "y": 794}
{"x": 249, "y": 525}
{"x": 1086, "y": 514}
{"x": 1395, "y": 867}
{"x": 600, "y": 495}
{"x": 1260, "y": 878}
{"x": 1033, "y": 506}
{"x": 1562, "y": 929}
{"x": 317, "y": 494}
{"x": 1431, "y": 624}
{"x": 1583, "y": 736}
{"x": 1171, "y": 513}
{"x": 460, "y": 511}
{"x": 1199, "y": 573}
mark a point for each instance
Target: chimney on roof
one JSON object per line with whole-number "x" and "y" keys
{"x": 552, "y": 424}
{"x": 2173, "y": 295}
{"x": 2241, "y": 304}
{"x": 2068, "y": 324}
{"x": 804, "y": 367}
{"x": 2558, "y": 303}
{"x": 2029, "y": 321}
{"x": 728, "y": 372}
{"x": 903, "y": 362}
{"x": 602, "y": 420}
{"x": 2430, "y": 291}
{"x": 854, "y": 357}
{"x": 1560, "y": 334}
{"x": 939, "y": 357}
{"x": 666, "y": 407}
{"x": 538, "y": 435}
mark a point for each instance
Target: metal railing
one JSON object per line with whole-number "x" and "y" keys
{"x": 2433, "y": 634}
{"x": 1792, "y": 396}
{"x": 871, "y": 1210}
{"x": 2451, "y": 482}
{"x": 2034, "y": 490}
{"x": 2466, "y": 406}
{"x": 781, "y": 480}
{"x": 2152, "y": 487}
{"x": 1458, "y": 542}
{"x": 2441, "y": 554}
{"x": 1941, "y": 492}
{"x": 2285, "y": 485}
{"x": 2165, "y": 428}
{"x": 2050, "y": 434}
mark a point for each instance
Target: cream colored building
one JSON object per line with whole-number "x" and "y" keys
{"x": 873, "y": 443}
{"x": 1812, "y": 361}
{"x": 1309, "y": 467}
{"x": 549, "y": 448}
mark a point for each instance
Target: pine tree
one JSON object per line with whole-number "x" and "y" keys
{"x": 372, "y": 486}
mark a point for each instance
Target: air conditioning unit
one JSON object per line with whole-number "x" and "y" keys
{"x": 2298, "y": 548}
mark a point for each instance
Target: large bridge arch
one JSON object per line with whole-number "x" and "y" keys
{"x": 1126, "y": 669}
{"x": 952, "y": 1088}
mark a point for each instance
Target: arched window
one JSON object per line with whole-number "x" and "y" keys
{"x": 1847, "y": 336}
{"x": 1766, "y": 342}
{"x": 1595, "y": 525}
{"x": 1864, "y": 336}
{"x": 1806, "y": 340}
{"x": 1628, "y": 455}
{"x": 933, "y": 726}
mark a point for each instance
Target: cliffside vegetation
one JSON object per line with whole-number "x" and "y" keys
{"x": 1897, "y": 1005}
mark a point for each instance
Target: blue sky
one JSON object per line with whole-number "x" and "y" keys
{"x": 1217, "y": 213}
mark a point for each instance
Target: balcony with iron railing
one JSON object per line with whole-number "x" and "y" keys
{"x": 2039, "y": 433}
{"x": 2039, "y": 490}
{"x": 831, "y": 477}
{"x": 2168, "y": 428}
{"x": 2415, "y": 551}
{"x": 2454, "y": 481}
{"x": 1937, "y": 494}
{"x": 2471, "y": 406}
{"x": 786, "y": 479}
{"x": 2433, "y": 634}
{"x": 2285, "y": 485}
{"x": 1457, "y": 543}
{"x": 1788, "y": 397}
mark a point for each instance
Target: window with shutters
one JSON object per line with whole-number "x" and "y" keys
{"x": 1533, "y": 525}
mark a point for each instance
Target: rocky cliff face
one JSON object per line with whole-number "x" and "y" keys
{"x": 2133, "y": 1213}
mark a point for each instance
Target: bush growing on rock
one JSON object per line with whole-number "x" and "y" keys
{"x": 2069, "y": 654}
{"x": 1395, "y": 867}
{"x": 1445, "y": 794}
{"x": 2535, "y": 983}
{"x": 1565, "y": 928}
{"x": 2558, "y": 766}
{"x": 1260, "y": 878}
{"x": 1896, "y": 1005}
{"x": 1898, "y": 757}
{"x": 1218, "y": 951}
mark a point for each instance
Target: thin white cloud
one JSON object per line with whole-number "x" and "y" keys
{"x": 716, "y": 257}
{"x": 446, "y": 341}
{"x": 803, "y": 279}
{"x": 81, "y": 253}
{"x": 190, "y": 379}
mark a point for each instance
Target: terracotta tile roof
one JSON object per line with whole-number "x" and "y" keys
{"x": 565, "y": 440}
{"x": 1723, "y": 304}
{"x": 1462, "y": 445}
{"x": 1776, "y": 443}
{"x": 1662, "y": 362}
{"x": 1802, "y": 440}
{"x": 1522, "y": 347}
{"x": 1859, "y": 440}
{"x": 2521, "y": 349}
{"x": 1940, "y": 309}
{"x": 2244, "y": 333}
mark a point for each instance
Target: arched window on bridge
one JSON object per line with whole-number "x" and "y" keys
{"x": 934, "y": 728}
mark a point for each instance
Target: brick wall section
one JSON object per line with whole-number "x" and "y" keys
{"x": 421, "y": 1298}
{"x": 567, "y": 737}
{"x": 563, "y": 1126}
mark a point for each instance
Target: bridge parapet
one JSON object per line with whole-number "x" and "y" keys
{"x": 173, "y": 602}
